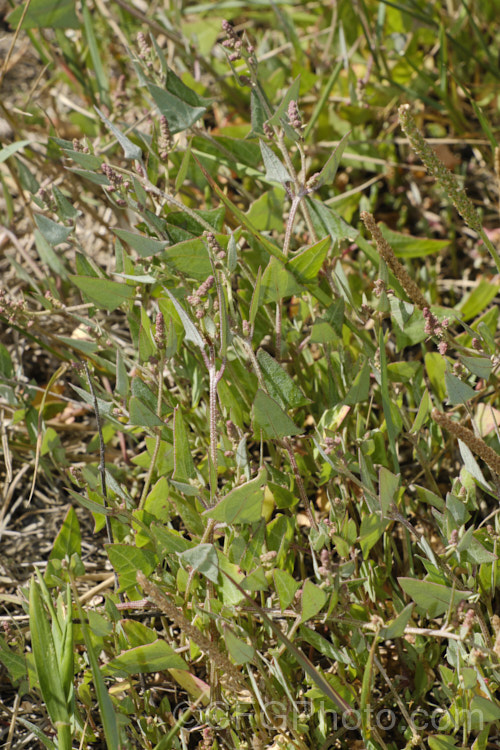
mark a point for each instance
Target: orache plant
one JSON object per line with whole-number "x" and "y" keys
{"x": 299, "y": 553}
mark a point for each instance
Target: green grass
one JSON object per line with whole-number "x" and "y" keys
{"x": 269, "y": 392}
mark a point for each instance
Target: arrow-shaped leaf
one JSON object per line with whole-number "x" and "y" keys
{"x": 275, "y": 171}
{"x": 302, "y": 659}
{"x": 192, "y": 333}
{"x": 329, "y": 171}
{"x": 130, "y": 150}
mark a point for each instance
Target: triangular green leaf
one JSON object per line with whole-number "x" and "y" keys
{"x": 307, "y": 264}
{"x": 190, "y": 330}
{"x": 279, "y": 384}
{"x": 433, "y": 598}
{"x": 406, "y": 246}
{"x": 278, "y": 282}
{"x": 479, "y": 366}
{"x": 241, "y": 505}
{"x": 127, "y": 559}
{"x": 144, "y": 246}
{"x": 286, "y": 587}
{"x": 372, "y": 528}
{"x": 360, "y": 388}
{"x": 313, "y": 599}
{"x": 189, "y": 257}
{"x": 327, "y": 174}
{"x": 396, "y": 628}
{"x": 240, "y": 652}
{"x": 184, "y": 466}
{"x": 458, "y": 391}
{"x": 269, "y": 417}
{"x": 57, "y": 14}
{"x": 69, "y": 540}
{"x": 275, "y": 171}
{"x": 102, "y": 292}
{"x": 388, "y": 488}
{"x": 179, "y": 113}
{"x": 7, "y": 151}
{"x": 151, "y": 657}
{"x": 140, "y": 414}
{"x": 204, "y": 559}
{"x": 130, "y": 150}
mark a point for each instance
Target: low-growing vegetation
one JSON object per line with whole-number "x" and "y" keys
{"x": 249, "y": 375}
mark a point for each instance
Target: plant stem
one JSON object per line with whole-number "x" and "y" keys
{"x": 300, "y": 484}
{"x": 214, "y": 377}
{"x": 149, "y": 475}
{"x": 279, "y": 313}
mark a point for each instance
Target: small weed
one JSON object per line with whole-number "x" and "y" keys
{"x": 249, "y": 364}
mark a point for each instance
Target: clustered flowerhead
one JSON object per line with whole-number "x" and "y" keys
{"x": 15, "y": 310}
{"x": 268, "y": 131}
{"x": 144, "y": 49}
{"x": 232, "y": 42}
{"x": 217, "y": 251}
{"x": 233, "y": 435}
{"x": 56, "y": 303}
{"x": 165, "y": 141}
{"x": 208, "y": 739}
{"x": 232, "y": 431}
{"x": 312, "y": 182}
{"x": 267, "y": 559}
{"x": 435, "y": 328}
{"x": 245, "y": 81}
{"x": 205, "y": 287}
{"x": 332, "y": 444}
{"x": 213, "y": 243}
{"x": 468, "y": 622}
{"x": 76, "y": 475}
{"x": 385, "y": 250}
{"x": 294, "y": 115}
{"x": 379, "y": 287}
{"x": 496, "y": 647}
{"x": 81, "y": 147}
{"x": 112, "y": 175}
{"x": 160, "y": 331}
{"x": 117, "y": 182}
{"x": 453, "y": 540}
{"x": 436, "y": 169}
{"x": 473, "y": 442}
{"x": 325, "y": 557}
{"x": 195, "y": 299}
{"x": 47, "y": 198}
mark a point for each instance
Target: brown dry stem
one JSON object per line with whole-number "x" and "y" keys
{"x": 229, "y": 675}
{"x": 474, "y": 443}
{"x": 399, "y": 271}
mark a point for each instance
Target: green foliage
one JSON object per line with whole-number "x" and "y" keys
{"x": 286, "y": 520}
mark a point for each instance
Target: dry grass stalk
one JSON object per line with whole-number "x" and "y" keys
{"x": 476, "y": 444}
{"x": 228, "y": 672}
{"x": 399, "y": 271}
{"x": 436, "y": 169}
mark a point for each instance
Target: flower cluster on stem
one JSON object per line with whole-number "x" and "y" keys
{"x": 399, "y": 271}
{"x": 445, "y": 178}
{"x": 474, "y": 443}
